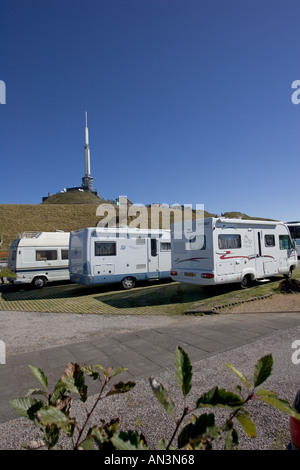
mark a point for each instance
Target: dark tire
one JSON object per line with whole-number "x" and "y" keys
{"x": 128, "y": 282}
{"x": 246, "y": 281}
{"x": 39, "y": 282}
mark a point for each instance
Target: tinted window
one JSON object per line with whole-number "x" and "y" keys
{"x": 269, "y": 240}
{"x": 64, "y": 254}
{"x": 105, "y": 248}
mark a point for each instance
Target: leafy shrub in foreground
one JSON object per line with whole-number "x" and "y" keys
{"x": 52, "y": 412}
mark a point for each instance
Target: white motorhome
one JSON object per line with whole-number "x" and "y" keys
{"x": 39, "y": 257}
{"x": 112, "y": 255}
{"x": 220, "y": 250}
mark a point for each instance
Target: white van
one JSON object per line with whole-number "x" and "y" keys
{"x": 39, "y": 257}
{"x": 113, "y": 255}
{"x": 220, "y": 250}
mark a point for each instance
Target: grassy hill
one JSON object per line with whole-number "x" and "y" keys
{"x": 72, "y": 211}
{"x": 73, "y": 197}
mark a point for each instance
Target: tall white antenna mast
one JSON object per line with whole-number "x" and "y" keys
{"x": 87, "y": 165}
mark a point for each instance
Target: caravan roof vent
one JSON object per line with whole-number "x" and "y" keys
{"x": 29, "y": 234}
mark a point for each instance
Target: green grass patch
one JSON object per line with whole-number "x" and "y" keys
{"x": 151, "y": 299}
{"x": 159, "y": 298}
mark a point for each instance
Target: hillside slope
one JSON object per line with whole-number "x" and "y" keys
{"x": 46, "y": 217}
{"x": 17, "y": 218}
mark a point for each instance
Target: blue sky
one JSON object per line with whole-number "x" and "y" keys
{"x": 188, "y": 101}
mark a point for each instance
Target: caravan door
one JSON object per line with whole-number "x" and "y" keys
{"x": 153, "y": 265}
{"x": 266, "y": 262}
{"x": 259, "y": 260}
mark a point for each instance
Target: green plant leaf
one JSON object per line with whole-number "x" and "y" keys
{"x": 73, "y": 379}
{"x": 90, "y": 371}
{"x": 270, "y": 397}
{"x": 246, "y": 422}
{"x": 263, "y": 370}
{"x": 103, "y": 370}
{"x": 102, "y": 435}
{"x": 195, "y": 429}
{"x": 240, "y": 375}
{"x": 121, "y": 387}
{"x": 54, "y": 416}
{"x": 183, "y": 369}
{"x": 39, "y": 375}
{"x": 51, "y": 435}
{"x": 162, "y": 396}
{"x": 36, "y": 391}
{"x": 87, "y": 444}
{"x": 24, "y": 406}
{"x": 59, "y": 389}
{"x": 220, "y": 398}
{"x": 231, "y": 439}
{"x": 115, "y": 372}
{"x": 129, "y": 440}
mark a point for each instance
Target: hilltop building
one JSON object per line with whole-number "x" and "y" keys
{"x": 87, "y": 180}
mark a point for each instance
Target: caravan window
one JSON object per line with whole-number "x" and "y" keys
{"x": 229, "y": 241}
{"x": 153, "y": 247}
{"x": 269, "y": 240}
{"x": 46, "y": 255}
{"x": 165, "y": 246}
{"x": 64, "y": 254}
{"x": 285, "y": 242}
{"x": 105, "y": 249}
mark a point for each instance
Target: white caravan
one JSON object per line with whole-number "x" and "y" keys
{"x": 220, "y": 250}
{"x": 38, "y": 257}
{"x": 113, "y": 255}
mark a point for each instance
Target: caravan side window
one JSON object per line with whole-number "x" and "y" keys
{"x": 285, "y": 242}
{"x": 269, "y": 240}
{"x": 64, "y": 254}
{"x": 229, "y": 241}
{"x": 153, "y": 247}
{"x": 46, "y": 255}
{"x": 165, "y": 246}
{"x": 105, "y": 248}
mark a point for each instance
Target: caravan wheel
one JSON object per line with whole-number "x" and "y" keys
{"x": 246, "y": 281}
{"x": 128, "y": 282}
{"x": 39, "y": 282}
